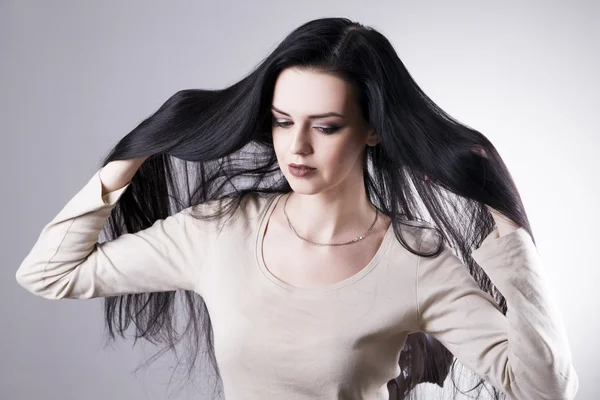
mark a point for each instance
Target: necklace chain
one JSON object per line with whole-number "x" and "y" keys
{"x": 356, "y": 239}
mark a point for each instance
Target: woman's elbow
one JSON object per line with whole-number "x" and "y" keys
{"x": 32, "y": 277}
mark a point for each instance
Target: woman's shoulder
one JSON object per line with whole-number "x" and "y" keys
{"x": 254, "y": 205}
{"x": 234, "y": 209}
{"x": 258, "y": 202}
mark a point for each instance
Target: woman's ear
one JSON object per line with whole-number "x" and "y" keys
{"x": 373, "y": 138}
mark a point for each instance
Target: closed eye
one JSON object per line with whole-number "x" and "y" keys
{"x": 322, "y": 129}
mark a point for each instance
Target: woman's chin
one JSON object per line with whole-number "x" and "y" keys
{"x": 304, "y": 187}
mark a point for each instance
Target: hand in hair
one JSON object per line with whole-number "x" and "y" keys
{"x": 504, "y": 224}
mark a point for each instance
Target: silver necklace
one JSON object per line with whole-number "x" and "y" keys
{"x": 356, "y": 239}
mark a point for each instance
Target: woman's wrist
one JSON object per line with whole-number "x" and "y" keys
{"x": 119, "y": 173}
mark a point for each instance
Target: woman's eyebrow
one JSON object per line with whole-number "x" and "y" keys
{"x": 329, "y": 114}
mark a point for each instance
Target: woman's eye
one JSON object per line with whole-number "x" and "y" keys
{"x": 330, "y": 130}
{"x": 323, "y": 129}
{"x": 280, "y": 124}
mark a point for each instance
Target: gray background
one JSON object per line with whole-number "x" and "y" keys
{"x": 76, "y": 76}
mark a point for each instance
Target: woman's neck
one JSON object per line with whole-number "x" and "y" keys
{"x": 330, "y": 218}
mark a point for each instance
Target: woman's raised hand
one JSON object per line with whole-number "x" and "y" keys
{"x": 118, "y": 173}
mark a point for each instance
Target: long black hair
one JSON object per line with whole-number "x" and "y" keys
{"x": 221, "y": 139}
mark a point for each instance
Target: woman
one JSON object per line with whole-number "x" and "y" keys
{"x": 325, "y": 281}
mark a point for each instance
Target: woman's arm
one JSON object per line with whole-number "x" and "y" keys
{"x": 68, "y": 262}
{"x": 526, "y": 353}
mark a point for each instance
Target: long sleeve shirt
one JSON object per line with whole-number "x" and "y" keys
{"x": 340, "y": 341}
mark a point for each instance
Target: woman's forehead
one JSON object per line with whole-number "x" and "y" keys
{"x": 305, "y": 94}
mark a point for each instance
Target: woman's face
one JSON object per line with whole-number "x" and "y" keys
{"x": 333, "y": 144}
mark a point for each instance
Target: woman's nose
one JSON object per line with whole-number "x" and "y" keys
{"x": 300, "y": 141}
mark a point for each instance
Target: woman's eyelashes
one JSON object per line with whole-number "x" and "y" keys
{"x": 323, "y": 129}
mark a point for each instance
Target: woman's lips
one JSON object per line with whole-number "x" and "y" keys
{"x": 300, "y": 172}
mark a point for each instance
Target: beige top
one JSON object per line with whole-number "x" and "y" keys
{"x": 340, "y": 341}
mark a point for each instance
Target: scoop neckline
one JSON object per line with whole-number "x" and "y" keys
{"x": 271, "y": 278}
